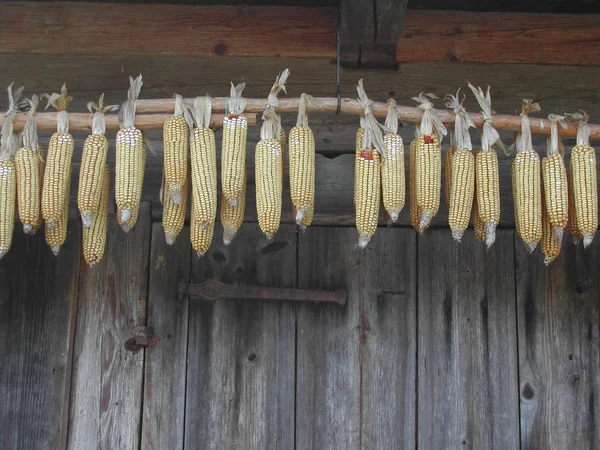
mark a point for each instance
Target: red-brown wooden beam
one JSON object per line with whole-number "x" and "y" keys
{"x": 60, "y": 28}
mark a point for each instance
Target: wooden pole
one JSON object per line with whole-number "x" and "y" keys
{"x": 83, "y": 121}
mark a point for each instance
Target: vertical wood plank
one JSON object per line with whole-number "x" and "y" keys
{"x": 107, "y": 379}
{"x": 38, "y": 299}
{"x": 241, "y": 353}
{"x": 559, "y": 348}
{"x": 164, "y": 382}
{"x": 467, "y": 343}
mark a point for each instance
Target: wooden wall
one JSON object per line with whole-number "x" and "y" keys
{"x": 441, "y": 345}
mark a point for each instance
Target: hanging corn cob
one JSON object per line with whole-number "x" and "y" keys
{"x": 554, "y": 175}
{"x": 200, "y": 235}
{"x": 367, "y": 187}
{"x": 462, "y": 170}
{"x": 487, "y": 176}
{"x": 478, "y": 224}
{"x": 550, "y": 245}
{"x": 233, "y": 149}
{"x": 56, "y": 237}
{"x": 93, "y": 163}
{"x": 233, "y": 217}
{"x": 173, "y": 217}
{"x": 176, "y": 141}
{"x": 94, "y": 236}
{"x": 204, "y": 163}
{"x": 527, "y": 183}
{"x": 29, "y": 163}
{"x": 415, "y": 212}
{"x": 428, "y": 161}
{"x": 393, "y": 183}
{"x": 57, "y": 176}
{"x": 302, "y": 164}
{"x": 130, "y": 160}
{"x": 448, "y": 170}
{"x": 576, "y": 236}
{"x": 269, "y": 165}
{"x": 9, "y": 143}
{"x": 584, "y": 180}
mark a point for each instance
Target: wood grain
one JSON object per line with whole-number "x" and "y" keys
{"x": 107, "y": 379}
{"x": 63, "y": 28}
{"x": 165, "y": 369}
{"x": 462, "y": 36}
{"x": 241, "y": 353}
{"x": 559, "y": 348}
{"x": 467, "y": 343}
{"x": 38, "y": 300}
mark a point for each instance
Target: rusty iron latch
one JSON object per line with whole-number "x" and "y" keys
{"x": 212, "y": 290}
{"x": 141, "y": 337}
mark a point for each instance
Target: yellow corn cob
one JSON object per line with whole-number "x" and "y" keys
{"x": 29, "y": 167}
{"x": 307, "y": 220}
{"x": 572, "y": 222}
{"x": 367, "y": 193}
{"x": 448, "y": 174}
{"x": 200, "y": 235}
{"x": 176, "y": 139}
{"x": 428, "y": 177}
{"x": 204, "y": 174}
{"x": 56, "y": 237}
{"x": 302, "y": 171}
{"x": 174, "y": 215}
{"x": 585, "y": 191}
{"x": 415, "y": 212}
{"x": 556, "y": 193}
{"x": 129, "y": 174}
{"x": 93, "y": 162}
{"x": 233, "y": 217}
{"x": 233, "y": 157}
{"x": 461, "y": 192}
{"x": 550, "y": 247}
{"x": 527, "y": 197}
{"x": 357, "y": 148}
{"x": 393, "y": 184}
{"x": 94, "y": 237}
{"x": 487, "y": 179}
{"x": 8, "y": 187}
{"x": 478, "y": 224}
{"x": 126, "y": 226}
{"x": 268, "y": 178}
{"x": 57, "y": 178}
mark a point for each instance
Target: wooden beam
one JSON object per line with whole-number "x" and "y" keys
{"x": 500, "y": 37}
{"x": 61, "y": 28}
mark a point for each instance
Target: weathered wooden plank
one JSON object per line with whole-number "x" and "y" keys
{"x": 467, "y": 343}
{"x": 388, "y": 305}
{"x": 507, "y": 37}
{"x": 559, "y": 348}
{"x": 165, "y": 368}
{"x": 62, "y": 28}
{"x": 241, "y": 354}
{"x": 38, "y": 300}
{"x": 356, "y": 363}
{"x": 107, "y": 380}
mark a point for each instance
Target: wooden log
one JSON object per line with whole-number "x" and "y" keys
{"x": 38, "y": 301}
{"x": 107, "y": 379}
{"x": 83, "y": 121}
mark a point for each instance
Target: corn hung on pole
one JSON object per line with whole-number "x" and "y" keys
{"x": 176, "y": 142}
{"x": 393, "y": 183}
{"x": 527, "y": 183}
{"x": 201, "y": 235}
{"x": 57, "y": 174}
{"x": 29, "y": 164}
{"x": 478, "y": 224}
{"x": 93, "y": 164}
{"x": 173, "y": 218}
{"x": 463, "y": 170}
{"x": 94, "y": 236}
{"x": 367, "y": 187}
{"x": 269, "y": 163}
{"x": 487, "y": 175}
{"x": 232, "y": 217}
{"x": 585, "y": 182}
{"x": 130, "y": 159}
{"x": 576, "y": 236}
{"x": 450, "y": 151}
{"x": 428, "y": 161}
{"x": 415, "y": 212}
{"x": 554, "y": 176}
{"x": 550, "y": 245}
{"x": 302, "y": 164}
{"x": 9, "y": 143}
{"x": 233, "y": 148}
{"x": 56, "y": 237}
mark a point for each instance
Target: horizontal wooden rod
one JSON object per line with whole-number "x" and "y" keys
{"x": 379, "y": 109}
{"x": 83, "y": 121}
